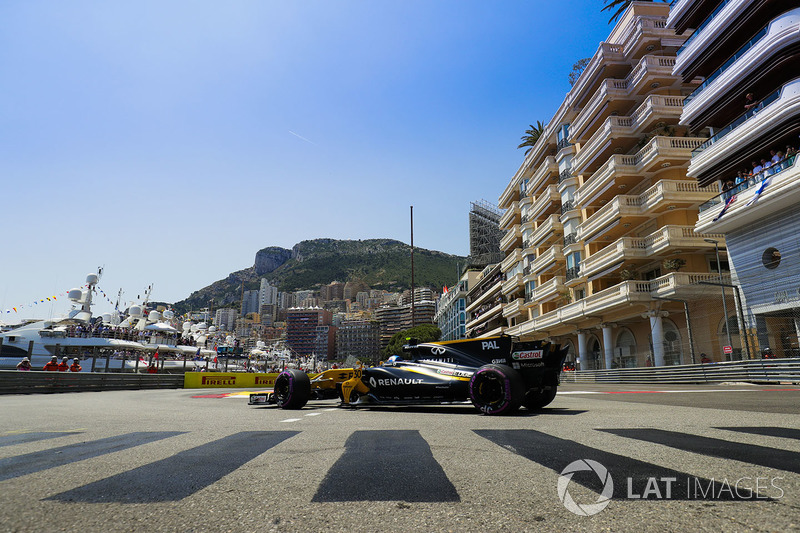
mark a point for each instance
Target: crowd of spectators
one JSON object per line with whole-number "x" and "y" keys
{"x": 105, "y": 331}
{"x": 761, "y": 169}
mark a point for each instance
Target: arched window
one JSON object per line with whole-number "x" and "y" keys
{"x": 594, "y": 351}
{"x": 625, "y": 349}
{"x": 673, "y": 347}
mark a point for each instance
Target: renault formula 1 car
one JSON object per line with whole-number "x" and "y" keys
{"x": 497, "y": 374}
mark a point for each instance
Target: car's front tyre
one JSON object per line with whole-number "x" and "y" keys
{"x": 292, "y": 389}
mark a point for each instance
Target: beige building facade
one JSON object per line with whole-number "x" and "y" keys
{"x": 601, "y": 253}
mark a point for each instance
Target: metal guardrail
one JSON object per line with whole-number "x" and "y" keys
{"x": 16, "y": 382}
{"x": 761, "y": 371}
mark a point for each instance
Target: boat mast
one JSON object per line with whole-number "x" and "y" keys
{"x": 413, "y": 317}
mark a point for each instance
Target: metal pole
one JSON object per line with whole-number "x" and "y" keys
{"x": 737, "y": 296}
{"x": 724, "y": 304}
{"x": 413, "y": 317}
{"x": 741, "y": 312}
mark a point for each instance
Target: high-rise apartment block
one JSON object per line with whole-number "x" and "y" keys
{"x": 599, "y": 220}
{"x": 301, "y": 328}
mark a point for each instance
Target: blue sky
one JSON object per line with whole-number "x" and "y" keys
{"x": 170, "y": 140}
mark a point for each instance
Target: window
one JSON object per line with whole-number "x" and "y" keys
{"x": 771, "y": 258}
{"x": 574, "y": 260}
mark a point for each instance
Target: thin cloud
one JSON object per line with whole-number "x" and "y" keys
{"x": 301, "y": 137}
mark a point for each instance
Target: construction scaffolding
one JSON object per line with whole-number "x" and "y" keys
{"x": 484, "y": 234}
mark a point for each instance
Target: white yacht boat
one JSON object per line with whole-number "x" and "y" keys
{"x": 105, "y": 341}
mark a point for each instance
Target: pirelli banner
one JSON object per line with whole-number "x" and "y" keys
{"x": 228, "y": 380}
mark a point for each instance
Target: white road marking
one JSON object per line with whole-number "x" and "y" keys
{"x": 313, "y": 414}
{"x": 291, "y": 420}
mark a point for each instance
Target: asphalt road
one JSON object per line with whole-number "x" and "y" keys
{"x": 671, "y": 458}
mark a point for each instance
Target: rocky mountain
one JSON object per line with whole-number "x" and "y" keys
{"x": 380, "y": 263}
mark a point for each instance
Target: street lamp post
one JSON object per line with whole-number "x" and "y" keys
{"x": 724, "y": 305}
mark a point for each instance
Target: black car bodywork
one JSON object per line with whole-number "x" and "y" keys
{"x": 498, "y": 374}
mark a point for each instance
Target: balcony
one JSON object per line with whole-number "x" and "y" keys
{"x": 545, "y": 203}
{"x": 736, "y": 138}
{"x": 664, "y": 195}
{"x": 547, "y": 260}
{"x": 485, "y": 315}
{"x": 512, "y": 239}
{"x": 514, "y": 308}
{"x": 651, "y": 70}
{"x": 716, "y": 22}
{"x": 608, "y": 59}
{"x": 512, "y": 284}
{"x": 780, "y": 34}
{"x": 616, "y": 134}
{"x": 547, "y": 232}
{"x": 657, "y": 109}
{"x": 548, "y": 290}
{"x": 510, "y": 217}
{"x": 543, "y": 174}
{"x": 572, "y": 238}
{"x": 610, "y": 98}
{"x": 511, "y": 260}
{"x": 488, "y": 294}
{"x": 613, "y": 255}
{"x": 781, "y": 192}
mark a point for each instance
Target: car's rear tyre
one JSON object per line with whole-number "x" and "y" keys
{"x": 292, "y": 389}
{"x": 535, "y": 400}
{"x": 496, "y": 389}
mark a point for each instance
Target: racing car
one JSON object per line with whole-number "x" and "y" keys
{"x": 497, "y": 374}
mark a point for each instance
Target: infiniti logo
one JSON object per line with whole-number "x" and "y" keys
{"x": 437, "y": 350}
{"x": 587, "y": 509}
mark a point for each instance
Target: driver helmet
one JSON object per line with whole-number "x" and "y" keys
{"x": 393, "y": 360}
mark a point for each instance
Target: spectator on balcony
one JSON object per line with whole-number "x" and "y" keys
{"x": 768, "y": 170}
{"x": 750, "y": 103}
{"x": 757, "y": 168}
{"x": 740, "y": 178}
{"x": 775, "y": 156}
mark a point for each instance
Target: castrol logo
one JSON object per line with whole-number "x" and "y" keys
{"x": 526, "y": 355}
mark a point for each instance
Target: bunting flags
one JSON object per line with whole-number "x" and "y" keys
{"x": 764, "y": 184}
{"x": 727, "y": 205}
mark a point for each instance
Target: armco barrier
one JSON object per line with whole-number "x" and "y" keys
{"x": 16, "y": 382}
{"x": 201, "y": 380}
{"x": 761, "y": 371}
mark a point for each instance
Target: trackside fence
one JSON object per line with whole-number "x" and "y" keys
{"x": 16, "y": 382}
{"x": 756, "y": 371}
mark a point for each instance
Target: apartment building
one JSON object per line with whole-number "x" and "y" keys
{"x": 360, "y": 339}
{"x": 599, "y": 219}
{"x": 451, "y": 314}
{"x": 740, "y": 48}
{"x": 301, "y": 328}
{"x": 485, "y": 304}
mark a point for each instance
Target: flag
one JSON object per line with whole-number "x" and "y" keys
{"x": 727, "y": 205}
{"x": 764, "y": 184}
{"x": 215, "y": 359}
{"x": 198, "y": 351}
{"x": 444, "y": 290}
{"x": 155, "y": 356}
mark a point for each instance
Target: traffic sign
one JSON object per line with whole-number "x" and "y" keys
{"x": 727, "y": 349}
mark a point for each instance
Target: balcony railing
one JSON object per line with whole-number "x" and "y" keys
{"x": 702, "y": 25}
{"x": 572, "y": 273}
{"x": 572, "y": 238}
{"x": 562, "y": 143}
{"x": 569, "y": 205}
{"x": 723, "y": 197}
{"x": 565, "y": 175}
{"x": 738, "y": 122}
{"x": 743, "y": 50}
